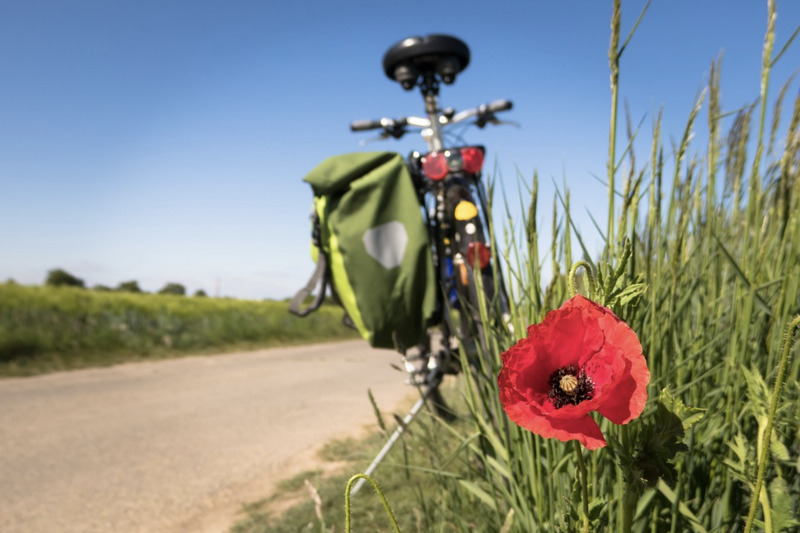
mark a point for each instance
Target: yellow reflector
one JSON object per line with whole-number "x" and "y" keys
{"x": 466, "y": 210}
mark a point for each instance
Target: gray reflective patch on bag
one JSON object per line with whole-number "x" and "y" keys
{"x": 387, "y": 243}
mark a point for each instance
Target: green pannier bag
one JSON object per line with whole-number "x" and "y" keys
{"x": 371, "y": 247}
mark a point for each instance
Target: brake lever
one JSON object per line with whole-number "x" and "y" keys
{"x": 493, "y": 120}
{"x": 382, "y": 137}
{"x": 497, "y": 122}
{"x": 397, "y": 131}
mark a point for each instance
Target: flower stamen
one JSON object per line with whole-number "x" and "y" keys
{"x": 570, "y": 386}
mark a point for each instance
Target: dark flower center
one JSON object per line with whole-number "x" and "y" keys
{"x": 570, "y": 386}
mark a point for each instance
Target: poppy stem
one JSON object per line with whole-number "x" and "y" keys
{"x": 584, "y": 486}
{"x": 629, "y": 501}
{"x": 630, "y": 493}
{"x": 572, "y": 286}
{"x": 773, "y": 408}
{"x": 348, "y": 488}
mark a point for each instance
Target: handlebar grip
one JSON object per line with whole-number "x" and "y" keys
{"x": 363, "y": 125}
{"x": 500, "y": 105}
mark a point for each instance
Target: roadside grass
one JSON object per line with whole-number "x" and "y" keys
{"x": 702, "y": 261}
{"x": 47, "y": 329}
{"x": 419, "y": 476}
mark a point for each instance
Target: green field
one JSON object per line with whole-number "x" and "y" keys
{"x": 45, "y": 329}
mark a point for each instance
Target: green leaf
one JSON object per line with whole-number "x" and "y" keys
{"x": 778, "y": 448}
{"x": 662, "y": 440}
{"x": 782, "y": 515}
{"x": 757, "y": 392}
{"x": 624, "y": 295}
{"x": 659, "y": 440}
{"x": 597, "y": 514}
{"x": 509, "y": 522}
{"x": 740, "y": 467}
{"x": 499, "y": 468}
{"x": 377, "y": 411}
{"x": 478, "y": 492}
{"x": 575, "y": 508}
{"x": 689, "y": 416}
{"x": 497, "y": 446}
{"x": 670, "y": 495}
{"x": 631, "y": 292}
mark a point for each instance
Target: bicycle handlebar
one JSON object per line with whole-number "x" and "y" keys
{"x": 499, "y": 105}
{"x": 364, "y": 125}
{"x": 395, "y": 127}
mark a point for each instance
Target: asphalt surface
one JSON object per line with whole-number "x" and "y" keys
{"x": 178, "y": 445}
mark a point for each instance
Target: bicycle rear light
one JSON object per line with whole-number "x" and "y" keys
{"x": 477, "y": 251}
{"x": 434, "y": 165}
{"x": 473, "y": 159}
{"x": 454, "y": 160}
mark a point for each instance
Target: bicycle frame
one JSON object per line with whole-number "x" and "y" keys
{"x": 424, "y": 61}
{"x": 443, "y": 184}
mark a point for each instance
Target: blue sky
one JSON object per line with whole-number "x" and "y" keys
{"x": 166, "y": 141}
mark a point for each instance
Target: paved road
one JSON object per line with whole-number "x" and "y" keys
{"x": 177, "y": 445}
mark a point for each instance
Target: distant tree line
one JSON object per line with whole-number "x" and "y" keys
{"x": 61, "y": 278}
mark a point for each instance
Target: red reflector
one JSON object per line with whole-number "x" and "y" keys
{"x": 435, "y": 166}
{"x": 473, "y": 159}
{"x": 478, "y": 251}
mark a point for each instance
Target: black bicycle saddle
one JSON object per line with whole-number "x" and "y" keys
{"x": 433, "y": 54}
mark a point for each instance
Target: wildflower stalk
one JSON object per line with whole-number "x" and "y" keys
{"x": 615, "y": 51}
{"x": 613, "y": 59}
{"x": 773, "y": 408}
{"x": 347, "y": 526}
{"x": 584, "y": 486}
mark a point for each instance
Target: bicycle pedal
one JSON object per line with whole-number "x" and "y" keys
{"x": 415, "y": 366}
{"x": 453, "y": 368}
{"x": 416, "y": 380}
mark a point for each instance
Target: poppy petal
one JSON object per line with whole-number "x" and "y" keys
{"x": 630, "y": 395}
{"x": 583, "y": 429}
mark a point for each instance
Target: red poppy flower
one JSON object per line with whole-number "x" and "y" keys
{"x": 581, "y": 358}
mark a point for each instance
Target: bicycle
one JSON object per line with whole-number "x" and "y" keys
{"x": 448, "y": 181}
